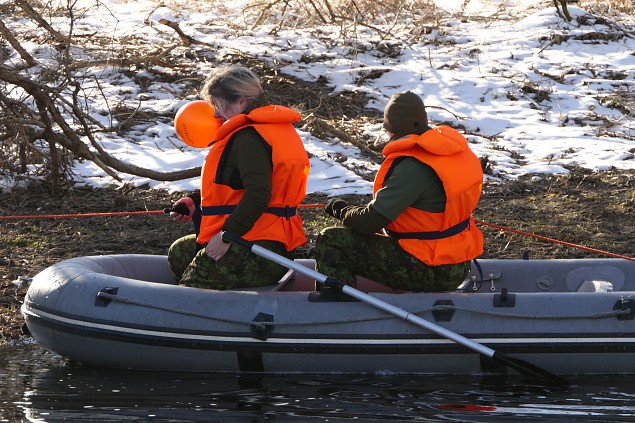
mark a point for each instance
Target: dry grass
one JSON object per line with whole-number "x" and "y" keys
{"x": 370, "y": 14}
{"x": 609, "y": 7}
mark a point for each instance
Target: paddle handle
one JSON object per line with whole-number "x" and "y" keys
{"x": 276, "y": 258}
{"x": 355, "y": 293}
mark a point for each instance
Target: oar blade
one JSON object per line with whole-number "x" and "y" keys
{"x": 530, "y": 370}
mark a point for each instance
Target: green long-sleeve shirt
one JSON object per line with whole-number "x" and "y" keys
{"x": 411, "y": 184}
{"x": 248, "y": 166}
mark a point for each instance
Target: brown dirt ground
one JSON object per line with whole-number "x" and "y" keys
{"x": 595, "y": 210}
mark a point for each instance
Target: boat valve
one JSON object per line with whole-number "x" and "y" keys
{"x": 474, "y": 285}
{"x": 491, "y": 280}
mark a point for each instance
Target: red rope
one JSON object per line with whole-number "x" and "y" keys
{"x": 555, "y": 241}
{"x": 107, "y": 214}
{"x": 309, "y": 206}
{"x": 76, "y": 215}
{"x": 315, "y": 205}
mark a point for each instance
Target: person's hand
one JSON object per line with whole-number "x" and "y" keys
{"x": 183, "y": 210}
{"x": 334, "y": 207}
{"x": 216, "y": 247}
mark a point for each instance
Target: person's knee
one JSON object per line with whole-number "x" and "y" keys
{"x": 327, "y": 240}
{"x": 335, "y": 236}
{"x": 335, "y": 248}
{"x": 180, "y": 254}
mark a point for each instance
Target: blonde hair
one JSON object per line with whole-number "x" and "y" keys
{"x": 230, "y": 83}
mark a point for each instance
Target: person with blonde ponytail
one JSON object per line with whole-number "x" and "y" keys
{"x": 252, "y": 181}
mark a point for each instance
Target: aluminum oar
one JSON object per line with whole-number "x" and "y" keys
{"x": 520, "y": 365}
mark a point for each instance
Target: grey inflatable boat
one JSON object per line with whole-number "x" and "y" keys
{"x": 126, "y": 311}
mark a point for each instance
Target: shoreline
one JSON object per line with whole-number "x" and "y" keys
{"x": 589, "y": 209}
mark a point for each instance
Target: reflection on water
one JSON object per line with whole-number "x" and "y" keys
{"x": 41, "y": 387}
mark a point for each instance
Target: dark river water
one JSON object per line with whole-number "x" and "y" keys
{"x": 36, "y": 386}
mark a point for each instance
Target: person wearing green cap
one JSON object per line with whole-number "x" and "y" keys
{"x": 417, "y": 234}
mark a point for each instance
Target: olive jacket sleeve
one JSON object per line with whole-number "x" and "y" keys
{"x": 411, "y": 184}
{"x": 249, "y": 167}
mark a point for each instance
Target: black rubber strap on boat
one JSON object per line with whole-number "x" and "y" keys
{"x": 478, "y": 267}
{"x": 285, "y": 211}
{"x": 429, "y": 236}
{"x": 250, "y": 361}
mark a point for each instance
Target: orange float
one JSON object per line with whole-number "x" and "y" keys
{"x": 195, "y": 124}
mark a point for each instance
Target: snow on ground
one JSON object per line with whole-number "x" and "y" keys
{"x": 533, "y": 92}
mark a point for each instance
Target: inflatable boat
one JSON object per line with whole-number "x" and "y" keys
{"x": 126, "y": 311}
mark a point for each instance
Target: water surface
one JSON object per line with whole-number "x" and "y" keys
{"x": 41, "y": 387}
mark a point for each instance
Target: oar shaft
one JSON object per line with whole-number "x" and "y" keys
{"x": 416, "y": 320}
{"x": 288, "y": 263}
{"x": 515, "y": 363}
{"x": 369, "y": 299}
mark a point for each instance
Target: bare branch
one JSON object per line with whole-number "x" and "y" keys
{"x": 565, "y": 11}
{"x": 16, "y": 45}
{"x": 71, "y": 141}
{"x": 185, "y": 39}
{"x": 24, "y": 5}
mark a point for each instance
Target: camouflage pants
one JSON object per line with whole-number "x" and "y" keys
{"x": 342, "y": 253}
{"x": 239, "y": 267}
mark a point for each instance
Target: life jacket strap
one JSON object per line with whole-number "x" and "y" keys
{"x": 432, "y": 235}
{"x": 286, "y": 211}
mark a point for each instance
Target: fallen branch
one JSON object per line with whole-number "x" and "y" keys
{"x": 185, "y": 39}
{"x": 24, "y": 5}
{"x": 152, "y": 59}
{"x": 565, "y": 11}
{"x": 4, "y": 31}
{"x": 50, "y": 116}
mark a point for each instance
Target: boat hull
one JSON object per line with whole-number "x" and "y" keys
{"x": 125, "y": 311}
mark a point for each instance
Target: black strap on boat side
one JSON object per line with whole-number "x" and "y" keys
{"x": 285, "y": 211}
{"x": 250, "y": 361}
{"x": 478, "y": 267}
{"x": 262, "y": 332}
{"x": 432, "y": 235}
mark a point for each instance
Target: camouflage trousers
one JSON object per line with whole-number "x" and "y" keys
{"x": 342, "y": 253}
{"x": 238, "y": 268}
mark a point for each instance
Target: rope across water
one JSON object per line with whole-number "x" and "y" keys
{"x": 316, "y": 205}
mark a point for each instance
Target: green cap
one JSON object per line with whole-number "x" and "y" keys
{"x": 405, "y": 114}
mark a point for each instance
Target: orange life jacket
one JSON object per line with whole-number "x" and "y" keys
{"x": 280, "y": 222}
{"x": 451, "y": 236}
